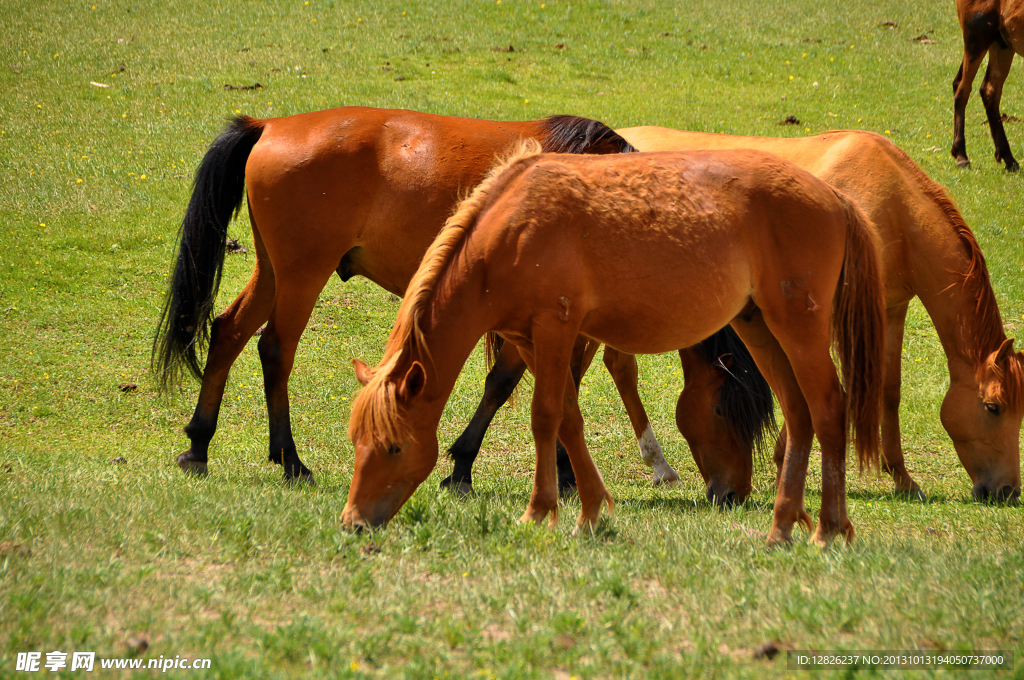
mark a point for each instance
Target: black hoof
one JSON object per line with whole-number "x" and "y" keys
{"x": 191, "y": 466}
{"x": 298, "y": 474}
{"x": 459, "y": 489}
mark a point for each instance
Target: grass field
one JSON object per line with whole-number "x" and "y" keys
{"x": 260, "y": 577}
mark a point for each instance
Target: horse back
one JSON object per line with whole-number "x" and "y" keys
{"x": 371, "y": 182}
{"x": 678, "y": 242}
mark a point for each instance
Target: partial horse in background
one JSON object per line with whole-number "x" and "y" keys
{"x": 646, "y": 253}
{"x": 929, "y": 252}
{"x": 995, "y": 27}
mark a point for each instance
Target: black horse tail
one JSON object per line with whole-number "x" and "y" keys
{"x": 745, "y": 399}
{"x": 219, "y": 186}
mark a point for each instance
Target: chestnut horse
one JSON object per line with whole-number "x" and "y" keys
{"x": 353, "y": 190}
{"x": 995, "y": 27}
{"x": 645, "y": 252}
{"x": 930, "y": 253}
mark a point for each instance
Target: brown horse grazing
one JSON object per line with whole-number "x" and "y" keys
{"x": 929, "y": 252}
{"x": 996, "y": 27}
{"x": 355, "y": 191}
{"x": 645, "y": 252}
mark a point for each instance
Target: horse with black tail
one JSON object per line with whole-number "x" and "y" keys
{"x": 353, "y": 191}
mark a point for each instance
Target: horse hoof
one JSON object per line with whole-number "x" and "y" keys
{"x": 914, "y": 493}
{"x": 963, "y": 163}
{"x": 1012, "y": 167}
{"x": 302, "y": 479}
{"x": 190, "y": 466}
{"x": 779, "y": 539}
{"x": 667, "y": 481}
{"x": 460, "y": 489}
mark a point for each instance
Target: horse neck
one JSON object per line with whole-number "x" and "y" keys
{"x": 451, "y": 328}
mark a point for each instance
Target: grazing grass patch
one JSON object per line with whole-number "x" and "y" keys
{"x": 106, "y": 108}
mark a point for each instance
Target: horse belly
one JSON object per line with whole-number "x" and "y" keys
{"x": 663, "y": 308}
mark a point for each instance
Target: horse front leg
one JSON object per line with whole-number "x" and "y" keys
{"x": 277, "y": 348}
{"x": 978, "y": 32}
{"x": 499, "y": 385}
{"x": 589, "y": 483}
{"x": 892, "y": 446}
{"x": 549, "y": 356}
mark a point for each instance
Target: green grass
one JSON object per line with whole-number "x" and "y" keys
{"x": 261, "y": 577}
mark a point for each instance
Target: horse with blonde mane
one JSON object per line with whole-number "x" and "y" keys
{"x": 354, "y": 191}
{"x": 646, "y": 253}
{"x": 930, "y": 253}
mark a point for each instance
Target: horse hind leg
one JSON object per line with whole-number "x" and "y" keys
{"x": 1000, "y": 59}
{"x": 229, "y": 334}
{"x": 277, "y": 346}
{"x": 978, "y": 32}
{"x": 774, "y": 364}
{"x": 625, "y": 374}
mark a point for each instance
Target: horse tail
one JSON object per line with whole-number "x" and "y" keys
{"x": 858, "y": 332}
{"x": 217, "y": 192}
{"x": 745, "y": 398}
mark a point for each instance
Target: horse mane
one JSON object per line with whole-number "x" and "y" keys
{"x": 745, "y": 399}
{"x": 986, "y": 334}
{"x": 375, "y": 409}
{"x": 568, "y": 134}
{"x": 575, "y": 134}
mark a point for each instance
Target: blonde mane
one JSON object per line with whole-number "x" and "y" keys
{"x": 375, "y": 410}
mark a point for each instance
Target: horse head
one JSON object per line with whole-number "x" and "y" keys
{"x": 985, "y": 424}
{"x": 394, "y": 437}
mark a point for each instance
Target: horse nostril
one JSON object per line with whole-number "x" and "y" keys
{"x": 710, "y": 494}
{"x": 980, "y": 492}
{"x": 730, "y": 499}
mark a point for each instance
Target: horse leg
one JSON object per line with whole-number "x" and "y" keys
{"x": 624, "y": 372}
{"x": 229, "y": 333}
{"x": 979, "y": 32}
{"x": 501, "y": 381}
{"x": 999, "y": 61}
{"x": 548, "y": 356}
{"x": 277, "y": 345}
{"x": 823, "y": 397}
{"x": 583, "y": 351}
{"x": 892, "y": 447}
{"x": 590, "y": 485}
{"x": 779, "y": 453}
{"x": 774, "y": 364}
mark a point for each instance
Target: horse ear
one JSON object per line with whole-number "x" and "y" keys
{"x": 413, "y": 382}
{"x": 363, "y": 372}
{"x": 1004, "y": 351}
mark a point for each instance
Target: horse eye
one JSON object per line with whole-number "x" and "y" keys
{"x": 992, "y": 407}
{"x": 393, "y": 449}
